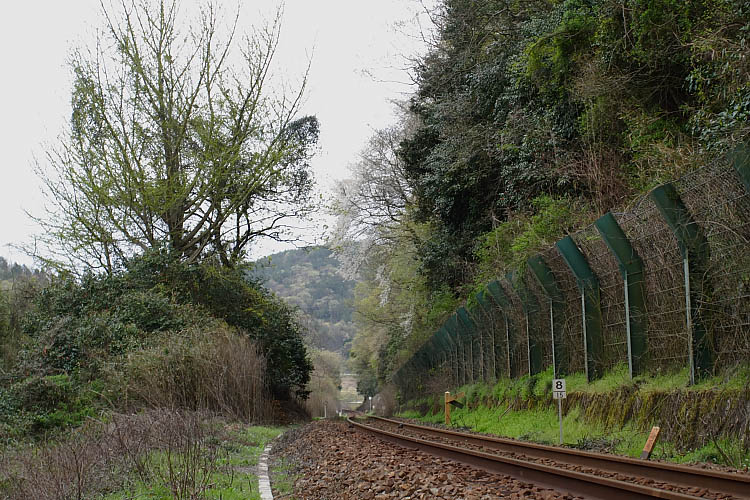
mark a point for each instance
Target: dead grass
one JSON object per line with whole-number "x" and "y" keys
{"x": 100, "y": 456}
{"x": 219, "y": 371}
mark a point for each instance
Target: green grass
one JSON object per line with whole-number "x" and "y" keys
{"x": 283, "y": 479}
{"x": 540, "y": 425}
{"x": 721, "y": 452}
{"x": 233, "y": 478}
{"x": 410, "y": 414}
{"x": 487, "y": 412}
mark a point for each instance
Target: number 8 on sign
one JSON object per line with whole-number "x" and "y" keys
{"x": 558, "y": 388}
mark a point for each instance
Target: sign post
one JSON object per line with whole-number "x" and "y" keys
{"x": 559, "y": 393}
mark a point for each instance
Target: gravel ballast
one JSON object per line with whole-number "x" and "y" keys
{"x": 334, "y": 461}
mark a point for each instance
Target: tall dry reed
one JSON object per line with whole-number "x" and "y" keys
{"x": 220, "y": 371}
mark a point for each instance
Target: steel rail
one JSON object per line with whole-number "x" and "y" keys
{"x": 690, "y": 477}
{"x": 562, "y": 480}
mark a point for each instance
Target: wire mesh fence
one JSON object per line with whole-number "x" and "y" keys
{"x": 517, "y": 338}
{"x": 540, "y": 328}
{"x": 655, "y": 243}
{"x": 720, "y": 204}
{"x": 612, "y": 296}
{"x": 572, "y": 320}
{"x": 684, "y": 297}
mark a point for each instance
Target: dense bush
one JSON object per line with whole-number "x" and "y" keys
{"x": 40, "y": 404}
{"x": 158, "y": 332}
{"x": 228, "y": 294}
{"x": 213, "y": 368}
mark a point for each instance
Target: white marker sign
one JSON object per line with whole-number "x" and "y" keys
{"x": 558, "y": 389}
{"x": 558, "y": 393}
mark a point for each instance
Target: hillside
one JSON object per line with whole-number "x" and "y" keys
{"x": 309, "y": 278}
{"x": 529, "y": 122}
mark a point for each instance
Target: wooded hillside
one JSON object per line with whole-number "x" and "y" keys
{"x": 531, "y": 120}
{"x": 310, "y": 279}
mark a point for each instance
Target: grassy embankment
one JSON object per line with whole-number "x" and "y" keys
{"x": 706, "y": 422}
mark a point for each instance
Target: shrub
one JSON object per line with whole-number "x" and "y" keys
{"x": 216, "y": 369}
{"x": 78, "y": 327}
{"x": 39, "y": 405}
{"x": 230, "y": 295}
{"x": 148, "y": 311}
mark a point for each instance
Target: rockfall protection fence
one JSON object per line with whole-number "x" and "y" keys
{"x": 665, "y": 284}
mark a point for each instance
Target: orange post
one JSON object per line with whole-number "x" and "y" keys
{"x": 447, "y": 408}
{"x": 646, "y": 454}
{"x": 452, "y": 401}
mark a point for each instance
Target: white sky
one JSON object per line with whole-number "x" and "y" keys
{"x": 346, "y": 37}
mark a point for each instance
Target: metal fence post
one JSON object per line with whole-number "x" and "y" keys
{"x": 695, "y": 254}
{"x": 557, "y": 307}
{"x": 590, "y": 303}
{"x": 631, "y": 269}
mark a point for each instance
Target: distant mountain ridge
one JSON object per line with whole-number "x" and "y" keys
{"x": 310, "y": 279}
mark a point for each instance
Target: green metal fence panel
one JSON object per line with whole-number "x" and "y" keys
{"x": 447, "y": 347}
{"x": 546, "y": 278}
{"x": 483, "y": 360}
{"x": 531, "y": 309}
{"x": 632, "y": 271}
{"x": 696, "y": 254}
{"x": 512, "y": 334}
{"x": 469, "y": 329}
{"x": 542, "y": 329}
{"x": 487, "y": 328}
{"x": 571, "y": 331}
{"x": 520, "y": 346}
{"x": 498, "y": 330}
{"x": 656, "y": 244}
{"x": 592, "y": 315}
{"x": 451, "y": 326}
{"x": 611, "y": 296}
{"x": 718, "y": 199}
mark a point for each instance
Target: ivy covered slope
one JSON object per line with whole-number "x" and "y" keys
{"x": 157, "y": 333}
{"x": 530, "y": 120}
{"x": 591, "y": 99}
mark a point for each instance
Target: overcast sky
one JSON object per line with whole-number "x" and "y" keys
{"x": 349, "y": 40}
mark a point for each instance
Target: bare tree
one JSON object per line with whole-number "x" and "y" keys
{"x": 372, "y": 203}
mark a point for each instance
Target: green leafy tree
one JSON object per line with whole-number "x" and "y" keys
{"x": 170, "y": 141}
{"x": 367, "y": 385}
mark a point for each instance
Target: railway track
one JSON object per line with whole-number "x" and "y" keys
{"x": 592, "y": 475}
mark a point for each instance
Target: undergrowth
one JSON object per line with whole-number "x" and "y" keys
{"x": 524, "y": 409}
{"x": 157, "y": 454}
